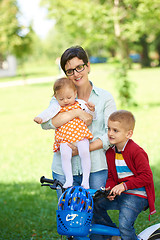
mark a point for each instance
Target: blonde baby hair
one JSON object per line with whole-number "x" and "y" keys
{"x": 62, "y": 83}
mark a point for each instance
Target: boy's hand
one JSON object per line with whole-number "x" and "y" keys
{"x": 90, "y": 106}
{"x": 38, "y": 120}
{"x": 117, "y": 190}
{"x": 111, "y": 196}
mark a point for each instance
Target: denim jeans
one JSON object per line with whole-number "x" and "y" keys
{"x": 96, "y": 180}
{"x": 129, "y": 207}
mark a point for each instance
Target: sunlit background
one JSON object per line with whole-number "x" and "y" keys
{"x": 122, "y": 39}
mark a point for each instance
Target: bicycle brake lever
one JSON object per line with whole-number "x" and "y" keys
{"x": 52, "y": 186}
{"x": 45, "y": 184}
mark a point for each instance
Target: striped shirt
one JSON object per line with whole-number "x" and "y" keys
{"x": 124, "y": 173}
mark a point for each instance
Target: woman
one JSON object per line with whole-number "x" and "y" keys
{"x": 75, "y": 64}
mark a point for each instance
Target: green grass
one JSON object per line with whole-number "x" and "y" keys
{"x": 33, "y": 70}
{"x": 27, "y": 210}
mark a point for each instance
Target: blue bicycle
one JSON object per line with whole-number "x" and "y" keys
{"x": 74, "y": 214}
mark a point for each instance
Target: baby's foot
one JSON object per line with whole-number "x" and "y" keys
{"x": 85, "y": 185}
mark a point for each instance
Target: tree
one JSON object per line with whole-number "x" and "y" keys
{"x": 157, "y": 46}
{"x": 109, "y": 24}
{"x": 81, "y": 21}
{"x": 14, "y": 38}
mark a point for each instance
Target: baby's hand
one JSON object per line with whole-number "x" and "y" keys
{"x": 90, "y": 106}
{"x": 38, "y": 120}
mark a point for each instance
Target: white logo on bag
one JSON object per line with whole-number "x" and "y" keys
{"x": 71, "y": 217}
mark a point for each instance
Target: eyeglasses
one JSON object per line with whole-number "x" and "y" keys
{"x": 78, "y": 69}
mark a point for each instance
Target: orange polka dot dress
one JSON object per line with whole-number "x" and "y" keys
{"x": 72, "y": 131}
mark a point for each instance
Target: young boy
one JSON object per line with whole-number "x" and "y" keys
{"x": 130, "y": 177}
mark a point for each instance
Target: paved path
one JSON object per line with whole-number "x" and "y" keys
{"x": 28, "y": 81}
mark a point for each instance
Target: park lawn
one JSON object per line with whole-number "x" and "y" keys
{"x": 28, "y": 210}
{"x": 32, "y": 70}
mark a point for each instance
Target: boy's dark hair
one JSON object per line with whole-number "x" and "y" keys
{"x": 75, "y": 51}
{"x": 125, "y": 117}
{"x": 62, "y": 83}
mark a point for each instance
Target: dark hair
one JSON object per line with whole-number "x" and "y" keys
{"x": 75, "y": 51}
{"x": 62, "y": 83}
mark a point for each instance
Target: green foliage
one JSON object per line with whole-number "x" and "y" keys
{"x": 52, "y": 51}
{"x": 123, "y": 85}
{"x": 107, "y": 27}
{"x": 81, "y": 30}
{"x": 14, "y": 38}
{"x": 25, "y": 45}
{"x": 110, "y": 26}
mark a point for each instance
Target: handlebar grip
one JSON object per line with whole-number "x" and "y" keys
{"x": 43, "y": 179}
{"x": 102, "y": 193}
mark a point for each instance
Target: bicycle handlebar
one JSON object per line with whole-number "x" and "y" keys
{"x": 43, "y": 179}
{"x": 53, "y": 184}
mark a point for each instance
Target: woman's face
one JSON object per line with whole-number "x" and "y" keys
{"x": 78, "y": 78}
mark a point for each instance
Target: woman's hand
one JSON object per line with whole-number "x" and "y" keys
{"x": 74, "y": 149}
{"x": 95, "y": 145}
{"x": 90, "y": 106}
{"x": 84, "y": 116}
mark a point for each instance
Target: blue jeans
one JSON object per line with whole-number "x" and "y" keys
{"x": 96, "y": 180}
{"x": 129, "y": 207}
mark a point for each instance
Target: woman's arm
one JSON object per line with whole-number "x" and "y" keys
{"x": 95, "y": 145}
{"x": 109, "y": 108}
{"x": 62, "y": 118}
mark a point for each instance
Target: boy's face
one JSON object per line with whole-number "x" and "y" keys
{"x": 117, "y": 134}
{"x": 66, "y": 96}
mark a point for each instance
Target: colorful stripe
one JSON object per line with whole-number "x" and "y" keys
{"x": 124, "y": 173}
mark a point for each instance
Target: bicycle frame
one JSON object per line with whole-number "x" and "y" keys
{"x": 96, "y": 228}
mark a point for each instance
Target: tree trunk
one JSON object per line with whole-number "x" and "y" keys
{"x": 158, "y": 48}
{"x": 123, "y": 44}
{"x": 145, "y": 56}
